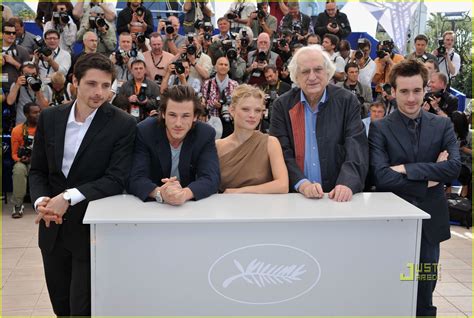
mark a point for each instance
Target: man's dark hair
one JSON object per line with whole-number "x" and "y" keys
{"x": 378, "y": 104}
{"x": 137, "y": 61}
{"x": 51, "y": 31}
{"x": 421, "y": 37}
{"x": 436, "y": 66}
{"x": 333, "y": 38}
{"x": 350, "y": 65}
{"x": 270, "y": 67}
{"x": 90, "y": 61}
{"x": 7, "y": 24}
{"x": 27, "y": 107}
{"x": 344, "y": 45}
{"x": 122, "y": 102}
{"x": 223, "y": 19}
{"x": 15, "y": 20}
{"x": 314, "y": 35}
{"x": 366, "y": 43}
{"x": 408, "y": 68}
{"x": 180, "y": 93}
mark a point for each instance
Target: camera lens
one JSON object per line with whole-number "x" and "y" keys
{"x": 359, "y": 55}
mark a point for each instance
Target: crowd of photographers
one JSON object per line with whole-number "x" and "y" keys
{"x": 254, "y": 44}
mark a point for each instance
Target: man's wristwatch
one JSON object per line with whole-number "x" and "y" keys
{"x": 67, "y": 197}
{"x": 158, "y": 197}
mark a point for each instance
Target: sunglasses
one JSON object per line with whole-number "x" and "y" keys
{"x": 10, "y": 32}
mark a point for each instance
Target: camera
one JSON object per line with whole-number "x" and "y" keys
{"x": 178, "y": 67}
{"x": 387, "y": 48}
{"x": 359, "y": 55}
{"x": 43, "y": 49}
{"x": 141, "y": 38}
{"x": 441, "y": 48}
{"x": 59, "y": 17}
{"x": 97, "y": 22}
{"x": 261, "y": 14}
{"x": 207, "y": 36}
{"x": 225, "y": 114}
{"x": 381, "y": 53}
{"x": 297, "y": 28}
{"x": 142, "y": 93}
{"x": 232, "y": 15}
{"x": 169, "y": 29}
{"x": 140, "y": 11}
{"x": 244, "y": 41}
{"x": 333, "y": 23}
{"x": 261, "y": 57}
{"x": 269, "y": 99}
{"x": 191, "y": 49}
{"x": 208, "y": 28}
{"x": 158, "y": 79}
{"x": 361, "y": 44}
{"x": 34, "y": 82}
{"x": 430, "y": 95}
{"x": 229, "y": 49}
{"x": 120, "y": 54}
{"x": 25, "y": 151}
{"x": 387, "y": 88}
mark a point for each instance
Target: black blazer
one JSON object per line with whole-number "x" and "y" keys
{"x": 100, "y": 168}
{"x": 390, "y": 145}
{"x": 198, "y": 161}
{"x": 342, "y": 142}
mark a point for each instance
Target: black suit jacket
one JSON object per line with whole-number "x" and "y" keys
{"x": 390, "y": 145}
{"x": 198, "y": 161}
{"x": 342, "y": 142}
{"x": 100, "y": 168}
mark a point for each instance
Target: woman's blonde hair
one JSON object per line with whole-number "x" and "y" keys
{"x": 246, "y": 91}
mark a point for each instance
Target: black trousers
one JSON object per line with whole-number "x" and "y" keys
{"x": 429, "y": 258}
{"x": 68, "y": 278}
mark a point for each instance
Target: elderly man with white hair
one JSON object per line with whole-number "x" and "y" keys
{"x": 320, "y": 130}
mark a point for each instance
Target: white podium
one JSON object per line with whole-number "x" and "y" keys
{"x": 254, "y": 255}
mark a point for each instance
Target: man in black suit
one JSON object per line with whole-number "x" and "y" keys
{"x": 82, "y": 152}
{"x": 175, "y": 158}
{"x": 413, "y": 153}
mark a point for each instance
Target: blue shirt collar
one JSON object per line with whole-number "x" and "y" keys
{"x": 306, "y": 104}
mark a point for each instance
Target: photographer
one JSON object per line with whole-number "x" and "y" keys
{"x": 143, "y": 94}
{"x": 200, "y": 63}
{"x": 366, "y": 65}
{"x": 239, "y": 13}
{"x": 50, "y": 57}
{"x": 420, "y": 54}
{"x": 259, "y": 59}
{"x": 13, "y": 56}
{"x": 64, "y": 25}
{"x": 352, "y": 84}
{"x": 81, "y": 12}
{"x": 157, "y": 59}
{"x": 330, "y": 43}
{"x": 178, "y": 74}
{"x": 438, "y": 100}
{"x": 140, "y": 41}
{"x": 196, "y": 10}
{"x": 298, "y": 22}
{"x": 223, "y": 24}
{"x": 449, "y": 61}
{"x": 217, "y": 91}
{"x": 135, "y": 12}
{"x": 332, "y": 21}
{"x": 22, "y": 143}
{"x": 173, "y": 41}
{"x": 58, "y": 92}
{"x": 273, "y": 89}
{"x": 125, "y": 54}
{"x": 95, "y": 20}
{"x": 23, "y": 37}
{"x": 261, "y": 21}
{"x": 384, "y": 62}
{"x": 28, "y": 88}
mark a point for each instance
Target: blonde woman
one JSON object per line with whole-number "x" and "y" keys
{"x": 250, "y": 161}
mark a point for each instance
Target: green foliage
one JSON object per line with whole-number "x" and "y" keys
{"x": 437, "y": 25}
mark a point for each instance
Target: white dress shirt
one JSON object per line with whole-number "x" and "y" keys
{"x": 75, "y": 132}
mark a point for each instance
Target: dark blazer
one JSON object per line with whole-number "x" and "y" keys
{"x": 100, "y": 168}
{"x": 390, "y": 145}
{"x": 342, "y": 143}
{"x": 198, "y": 161}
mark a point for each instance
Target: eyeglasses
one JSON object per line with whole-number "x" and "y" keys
{"x": 10, "y": 32}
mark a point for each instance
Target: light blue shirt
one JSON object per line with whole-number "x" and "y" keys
{"x": 312, "y": 165}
